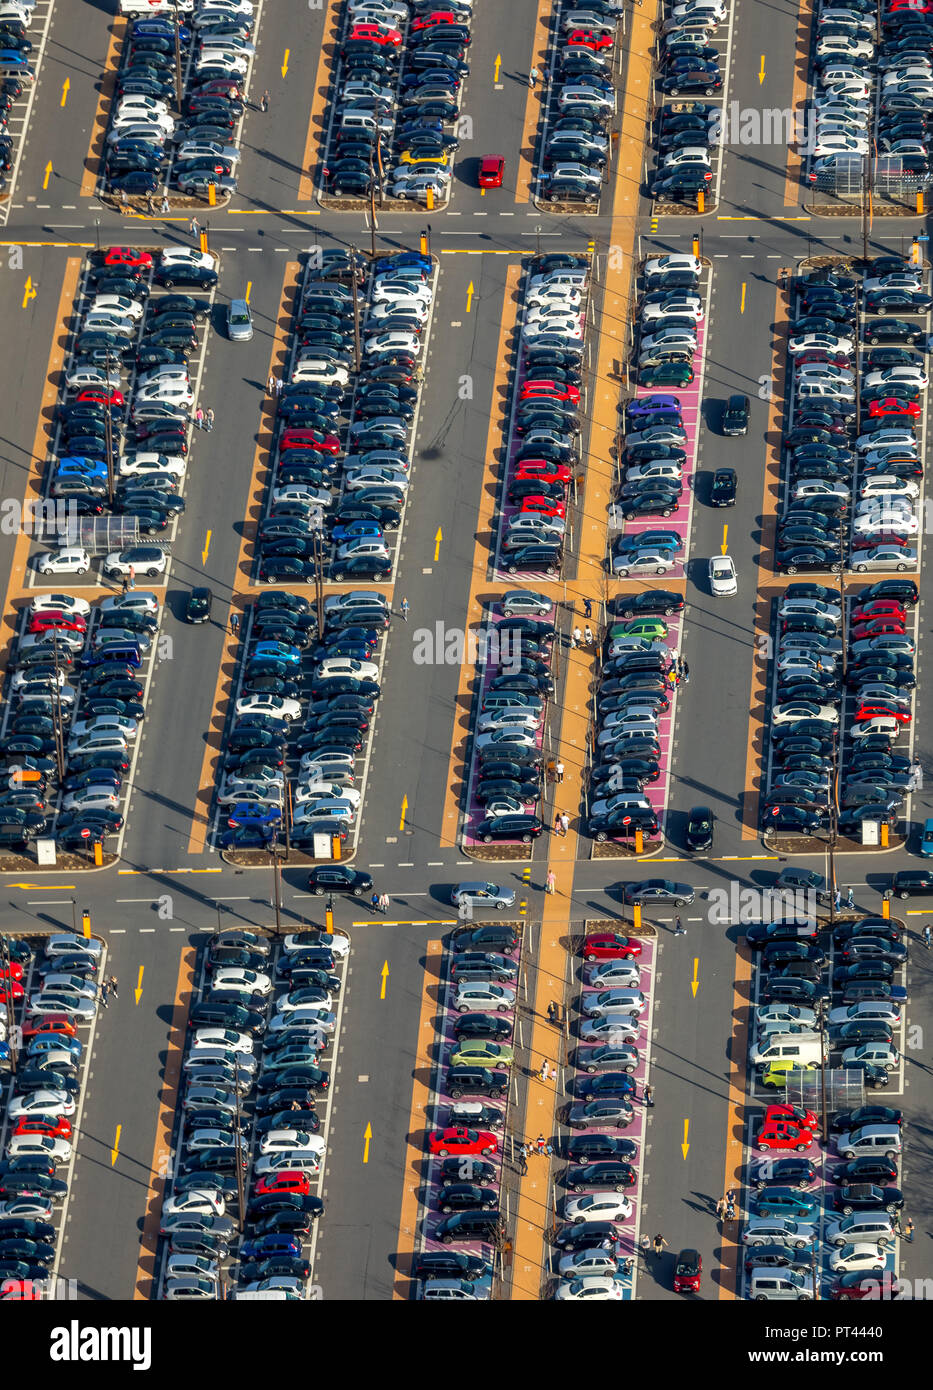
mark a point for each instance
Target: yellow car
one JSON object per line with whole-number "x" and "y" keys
{"x": 776, "y": 1073}
{"x": 442, "y": 160}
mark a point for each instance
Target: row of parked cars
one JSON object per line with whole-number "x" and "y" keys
{"x": 258, "y": 1033}
{"x": 77, "y": 687}
{"x": 18, "y": 73}
{"x": 801, "y": 1024}
{"x": 855, "y": 77}
{"x": 64, "y": 974}
{"x": 302, "y": 716}
{"x": 691, "y": 57}
{"x": 516, "y": 683}
{"x": 124, "y": 422}
{"x": 147, "y": 148}
{"x": 580, "y": 102}
{"x": 542, "y": 446}
{"x": 342, "y": 447}
{"x": 397, "y": 96}
{"x": 832, "y": 434}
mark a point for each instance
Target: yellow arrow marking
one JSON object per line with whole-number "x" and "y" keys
{"x": 469, "y": 296}
{"x": 48, "y": 175}
{"x": 761, "y": 74}
{"x": 437, "y": 543}
{"x": 742, "y": 300}
{"x": 685, "y": 1147}
{"x": 28, "y": 291}
{"x": 139, "y": 984}
{"x": 496, "y": 66}
{"x": 249, "y": 286}
{"x": 367, "y": 1135}
{"x": 384, "y": 975}
{"x": 116, "y": 1145}
{"x": 39, "y": 885}
{"x": 725, "y": 533}
{"x": 207, "y": 546}
{"x": 401, "y": 824}
{"x": 285, "y": 61}
{"x": 66, "y": 85}
{"x": 695, "y": 982}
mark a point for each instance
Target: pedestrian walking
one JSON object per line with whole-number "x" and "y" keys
{"x": 588, "y": 636}
{"x": 234, "y": 624}
{"x": 375, "y": 902}
{"x": 645, "y": 1244}
{"x": 553, "y": 1074}
{"x": 533, "y": 78}
{"x": 539, "y": 1143}
{"x": 384, "y": 903}
{"x": 928, "y": 936}
{"x": 576, "y": 637}
{"x": 564, "y": 822}
{"x": 406, "y": 606}
{"x": 552, "y": 1012}
{"x": 672, "y": 678}
{"x": 132, "y": 576}
{"x": 103, "y": 994}
{"x": 679, "y": 928}
{"x": 209, "y": 419}
{"x": 730, "y": 1211}
{"x": 559, "y": 771}
{"x": 587, "y": 608}
{"x": 557, "y": 829}
{"x": 150, "y": 203}
{"x": 199, "y": 418}
{"x": 194, "y": 227}
{"x": 916, "y": 775}
{"x": 908, "y": 1229}
{"x": 850, "y": 899}
{"x": 542, "y": 1073}
{"x": 628, "y": 1265}
{"x": 125, "y": 198}
{"x": 549, "y": 1150}
{"x": 659, "y": 1243}
{"x": 523, "y": 1160}
{"x": 113, "y": 986}
{"x": 166, "y": 205}
{"x": 279, "y": 386}
{"x": 837, "y": 899}
{"x": 264, "y": 102}
{"x": 124, "y": 586}
{"x": 720, "y": 1208}
{"x": 271, "y": 384}
{"x": 550, "y": 882}
{"x": 649, "y": 1096}
{"x": 685, "y": 672}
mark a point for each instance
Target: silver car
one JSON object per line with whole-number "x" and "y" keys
{"x": 239, "y": 321}
{"x": 477, "y": 894}
{"x": 622, "y": 1002}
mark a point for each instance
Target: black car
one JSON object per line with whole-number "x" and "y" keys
{"x": 486, "y": 1226}
{"x": 475, "y": 1081}
{"x": 783, "y": 1172}
{"x": 874, "y": 1169}
{"x": 339, "y": 878}
{"x": 613, "y": 1173}
{"x": 698, "y": 834}
{"x": 511, "y": 827}
{"x": 867, "y": 1196}
{"x": 587, "y": 1235}
{"x": 447, "y": 1264}
{"x": 723, "y": 487}
{"x": 490, "y": 1026}
{"x": 650, "y": 601}
{"x": 908, "y": 883}
{"x": 466, "y": 1196}
{"x": 735, "y": 415}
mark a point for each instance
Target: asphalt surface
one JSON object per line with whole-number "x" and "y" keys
{"x": 153, "y": 913}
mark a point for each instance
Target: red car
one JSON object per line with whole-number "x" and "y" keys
{"x": 884, "y": 1284}
{"x": 543, "y": 506}
{"x": 816, "y": 355}
{"x": 916, "y": 6}
{"x": 99, "y": 397}
{"x": 491, "y": 169}
{"x": 376, "y": 33}
{"x": 12, "y": 971}
{"x": 879, "y": 608}
{"x": 49, "y": 1023}
{"x": 877, "y": 627}
{"x": 542, "y": 473}
{"x": 59, "y": 1128}
{"x": 310, "y": 439}
{"x": 461, "y": 1141}
{"x": 784, "y": 1134}
{"x": 534, "y": 466}
{"x": 863, "y": 712}
{"x": 893, "y": 405}
{"x": 17, "y": 992}
{"x": 688, "y": 1271}
{"x": 584, "y": 38}
{"x": 52, "y": 621}
{"x": 878, "y": 538}
{"x": 610, "y": 945}
{"x": 289, "y": 1180}
{"x": 127, "y": 255}
{"x": 552, "y": 390}
{"x": 808, "y": 1118}
{"x": 433, "y": 19}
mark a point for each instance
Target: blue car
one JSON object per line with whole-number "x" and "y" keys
{"x": 253, "y": 815}
{"x": 407, "y": 258}
{"x": 74, "y": 463}
{"x": 137, "y": 181}
{"x": 648, "y": 404}
{"x": 787, "y": 1201}
{"x": 160, "y": 29}
{"x": 13, "y": 58}
{"x": 4, "y": 1052}
{"x": 277, "y": 651}
{"x": 269, "y": 1245}
{"x": 926, "y": 839}
{"x": 55, "y": 1044}
{"x": 371, "y": 529}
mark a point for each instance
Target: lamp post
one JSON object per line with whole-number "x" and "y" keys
{"x": 6, "y": 962}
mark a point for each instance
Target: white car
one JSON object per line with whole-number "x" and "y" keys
{"x": 346, "y": 666}
{"x": 817, "y": 488}
{"x": 857, "y": 1255}
{"x": 139, "y": 464}
{"x": 888, "y": 485}
{"x": 885, "y": 519}
{"x": 39, "y": 1146}
{"x": 187, "y": 255}
{"x": 39, "y": 1104}
{"x": 221, "y": 9}
{"x": 294, "y": 1140}
{"x": 417, "y": 308}
{"x": 140, "y": 107}
{"x": 316, "y": 369}
{"x": 71, "y": 560}
{"x": 118, "y": 724}
{"x": 91, "y": 798}
{"x": 803, "y": 709}
{"x": 642, "y": 562}
{"x": 62, "y": 1002}
{"x": 683, "y": 305}
{"x": 60, "y": 603}
{"x": 299, "y": 1161}
{"x": 119, "y": 563}
{"x": 314, "y": 791}
{"x": 887, "y": 728}
{"x": 484, "y": 997}
{"x": 223, "y": 1037}
{"x": 689, "y": 155}
{"x": 612, "y": 974}
{"x": 844, "y": 46}
{"x": 601, "y": 1287}
{"x": 828, "y": 342}
{"x": 840, "y": 144}
{"x": 164, "y": 393}
{"x": 117, "y": 304}
{"x": 566, "y": 297}
{"x": 278, "y": 706}
{"x": 722, "y": 576}
{"x": 393, "y": 342}
{"x": 249, "y": 981}
{"x": 393, "y": 290}
{"x": 675, "y": 261}
{"x": 198, "y": 1201}
{"x": 305, "y": 1018}
{"x": 136, "y": 601}
{"x": 598, "y": 1206}
{"x": 897, "y": 376}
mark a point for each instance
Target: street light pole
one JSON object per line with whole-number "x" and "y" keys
{"x": 356, "y": 310}
{"x": 6, "y": 961}
{"x": 178, "y": 85}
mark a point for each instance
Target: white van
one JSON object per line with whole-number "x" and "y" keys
{"x": 766, "y": 1284}
{"x": 145, "y": 9}
{"x": 876, "y": 1227}
{"x": 870, "y": 1139}
{"x": 799, "y": 1048}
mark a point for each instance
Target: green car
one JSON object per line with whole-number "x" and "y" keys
{"x": 652, "y": 629}
{"x": 483, "y": 1054}
{"x": 668, "y": 374}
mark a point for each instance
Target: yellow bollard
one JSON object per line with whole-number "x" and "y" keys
{"x": 86, "y": 921}
{"x": 919, "y": 202}
{"x": 701, "y": 200}
{"x": 424, "y": 244}
{"x": 335, "y": 846}
{"x": 639, "y": 842}
{"x": 884, "y": 836}
{"x": 329, "y": 920}
{"x": 886, "y": 909}
{"x": 212, "y": 194}
{"x": 636, "y": 919}
{"x": 98, "y": 854}
{"x": 429, "y": 195}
